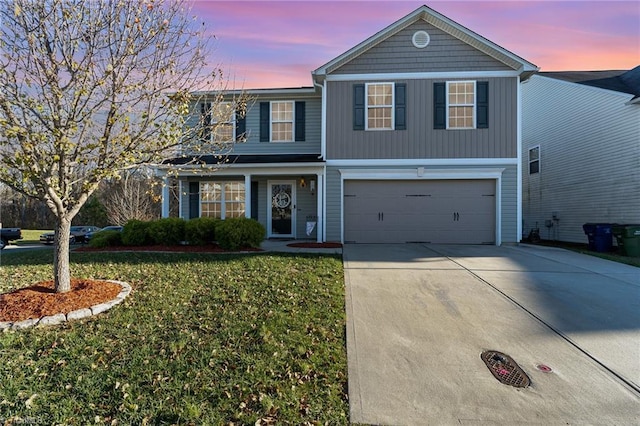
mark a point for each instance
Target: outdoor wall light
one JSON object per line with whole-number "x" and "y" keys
{"x": 303, "y": 184}
{"x": 312, "y": 186}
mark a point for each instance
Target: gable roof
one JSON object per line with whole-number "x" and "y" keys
{"x": 623, "y": 81}
{"x": 441, "y": 22}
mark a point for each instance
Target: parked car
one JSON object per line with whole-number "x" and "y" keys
{"x": 9, "y": 234}
{"x": 90, "y": 235}
{"x": 78, "y": 235}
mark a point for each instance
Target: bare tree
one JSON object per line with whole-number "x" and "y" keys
{"x": 89, "y": 89}
{"x": 133, "y": 196}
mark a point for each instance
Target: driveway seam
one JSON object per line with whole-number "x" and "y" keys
{"x": 631, "y": 385}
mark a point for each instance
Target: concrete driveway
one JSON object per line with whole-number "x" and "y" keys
{"x": 419, "y": 316}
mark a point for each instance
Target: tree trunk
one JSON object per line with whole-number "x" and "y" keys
{"x": 62, "y": 273}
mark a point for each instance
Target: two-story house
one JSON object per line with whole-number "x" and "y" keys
{"x": 413, "y": 135}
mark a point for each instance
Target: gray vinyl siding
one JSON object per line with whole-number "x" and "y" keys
{"x": 253, "y": 146}
{"x": 590, "y": 158}
{"x": 420, "y": 139}
{"x": 398, "y": 54}
{"x": 509, "y": 201}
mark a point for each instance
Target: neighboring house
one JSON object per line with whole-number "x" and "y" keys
{"x": 581, "y": 151}
{"x": 413, "y": 135}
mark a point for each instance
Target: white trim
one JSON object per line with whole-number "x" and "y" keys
{"x": 293, "y": 121}
{"x": 417, "y": 174}
{"x": 319, "y": 207}
{"x": 425, "y": 162}
{"x": 529, "y": 149}
{"x": 519, "y": 166}
{"x": 449, "y": 105}
{"x": 259, "y": 169}
{"x": 293, "y": 208}
{"x": 273, "y": 92}
{"x": 165, "y": 196}
{"x": 247, "y": 196}
{"x": 440, "y": 75}
{"x": 323, "y": 128}
{"x": 180, "y": 192}
{"x": 324, "y": 205}
{"x": 434, "y": 174}
{"x": 392, "y": 105}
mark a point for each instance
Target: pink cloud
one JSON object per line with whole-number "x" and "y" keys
{"x": 277, "y": 44}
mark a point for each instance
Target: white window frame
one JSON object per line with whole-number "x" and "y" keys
{"x": 214, "y": 123}
{"x": 223, "y": 201}
{"x": 392, "y": 106}
{"x": 530, "y": 161}
{"x": 292, "y": 121}
{"x": 474, "y": 105}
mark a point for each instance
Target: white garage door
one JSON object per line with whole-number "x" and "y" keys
{"x": 432, "y": 211}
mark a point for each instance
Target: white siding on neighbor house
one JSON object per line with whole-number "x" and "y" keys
{"x": 589, "y": 158}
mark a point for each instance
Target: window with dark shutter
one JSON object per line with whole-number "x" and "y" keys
{"x": 358, "y": 107}
{"x": 439, "y": 106}
{"x": 300, "y": 121}
{"x": 194, "y": 200}
{"x": 241, "y": 126}
{"x": 264, "y": 121}
{"x": 482, "y": 104}
{"x": 401, "y": 106}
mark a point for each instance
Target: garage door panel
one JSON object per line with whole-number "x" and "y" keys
{"x": 447, "y": 211}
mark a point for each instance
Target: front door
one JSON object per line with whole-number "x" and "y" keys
{"x": 281, "y": 214}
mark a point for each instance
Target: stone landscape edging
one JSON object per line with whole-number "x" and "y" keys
{"x": 73, "y": 315}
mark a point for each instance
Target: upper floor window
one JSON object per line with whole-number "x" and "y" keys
{"x": 534, "y": 160}
{"x": 282, "y": 121}
{"x": 218, "y": 122}
{"x": 461, "y": 104}
{"x": 379, "y": 106}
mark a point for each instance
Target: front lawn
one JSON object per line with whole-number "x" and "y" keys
{"x": 202, "y": 339}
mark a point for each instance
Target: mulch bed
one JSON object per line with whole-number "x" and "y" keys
{"x": 210, "y": 248}
{"x": 315, "y": 245}
{"x": 41, "y": 300}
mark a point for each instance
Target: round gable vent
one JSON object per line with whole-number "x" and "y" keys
{"x": 420, "y": 39}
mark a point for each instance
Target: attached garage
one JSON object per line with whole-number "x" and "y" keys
{"x": 432, "y": 211}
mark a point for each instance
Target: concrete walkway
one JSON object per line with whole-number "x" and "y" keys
{"x": 419, "y": 316}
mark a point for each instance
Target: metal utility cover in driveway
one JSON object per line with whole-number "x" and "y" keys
{"x": 419, "y": 315}
{"x": 505, "y": 369}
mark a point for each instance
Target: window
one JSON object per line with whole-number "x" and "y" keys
{"x": 222, "y": 199}
{"x": 379, "y": 106}
{"x": 218, "y": 122}
{"x": 461, "y": 98}
{"x": 282, "y": 121}
{"x": 534, "y": 160}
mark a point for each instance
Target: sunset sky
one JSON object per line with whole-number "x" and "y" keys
{"x": 267, "y": 44}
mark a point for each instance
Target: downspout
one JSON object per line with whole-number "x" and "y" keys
{"x": 519, "y": 167}
{"x": 323, "y": 153}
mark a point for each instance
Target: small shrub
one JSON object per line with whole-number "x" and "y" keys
{"x": 136, "y": 233}
{"x": 106, "y": 239}
{"x": 200, "y": 231}
{"x": 167, "y": 231}
{"x": 239, "y": 232}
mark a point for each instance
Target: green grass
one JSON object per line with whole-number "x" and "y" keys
{"x": 30, "y": 236}
{"x": 202, "y": 339}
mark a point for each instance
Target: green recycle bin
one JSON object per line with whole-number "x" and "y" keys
{"x": 628, "y": 238}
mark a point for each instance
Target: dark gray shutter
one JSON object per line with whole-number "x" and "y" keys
{"x": 205, "y": 112}
{"x": 401, "y": 106}
{"x": 254, "y": 200}
{"x": 358, "y": 107}
{"x": 265, "y": 112}
{"x": 439, "y": 106}
{"x": 241, "y": 125}
{"x": 300, "y": 120}
{"x": 482, "y": 104}
{"x": 194, "y": 200}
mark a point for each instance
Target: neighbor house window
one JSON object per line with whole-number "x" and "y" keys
{"x": 461, "y": 99}
{"x": 222, "y": 200}
{"x": 379, "y": 106}
{"x": 282, "y": 121}
{"x": 534, "y": 160}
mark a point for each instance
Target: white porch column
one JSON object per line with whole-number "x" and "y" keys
{"x": 319, "y": 211}
{"x": 247, "y": 196}
{"x": 165, "y": 196}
